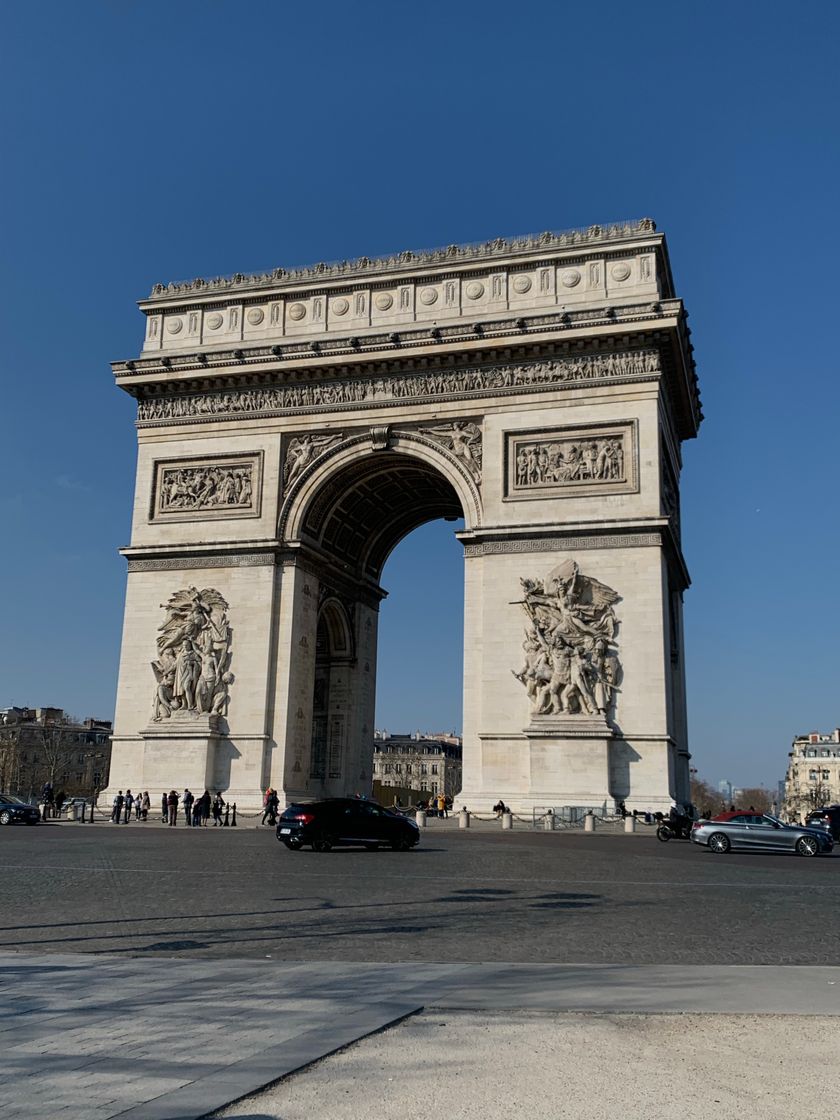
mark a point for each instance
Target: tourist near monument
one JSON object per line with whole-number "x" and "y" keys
{"x": 294, "y": 426}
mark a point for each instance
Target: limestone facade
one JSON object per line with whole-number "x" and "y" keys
{"x": 812, "y": 780}
{"x": 293, "y": 427}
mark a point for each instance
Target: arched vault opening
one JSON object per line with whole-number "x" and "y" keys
{"x": 343, "y": 517}
{"x": 356, "y": 508}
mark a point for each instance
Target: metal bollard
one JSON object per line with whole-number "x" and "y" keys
{"x": 630, "y": 824}
{"x": 420, "y": 818}
{"x": 589, "y": 822}
{"x": 507, "y": 821}
{"x": 233, "y": 818}
{"x": 548, "y": 822}
{"x": 464, "y": 818}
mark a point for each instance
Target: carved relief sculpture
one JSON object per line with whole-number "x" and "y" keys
{"x": 197, "y": 489}
{"x": 569, "y": 461}
{"x": 304, "y": 450}
{"x": 562, "y": 461}
{"x": 463, "y": 440}
{"x": 571, "y": 663}
{"x": 406, "y": 386}
{"x": 206, "y": 487}
{"x": 194, "y": 652}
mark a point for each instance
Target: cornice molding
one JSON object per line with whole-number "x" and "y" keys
{"x": 390, "y": 345}
{"x": 559, "y": 543}
{"x": 408, "y": 259}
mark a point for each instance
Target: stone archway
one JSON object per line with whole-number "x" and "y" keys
{"x": 293, "y": 427}
{"x": 342, "y": 518}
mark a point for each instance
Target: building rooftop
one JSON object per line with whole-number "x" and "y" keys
{"x": 408, "y": 258}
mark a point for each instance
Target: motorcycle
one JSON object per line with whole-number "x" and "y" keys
{"x": 674, "y": 830}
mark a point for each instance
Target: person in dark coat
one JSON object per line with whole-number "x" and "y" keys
{"x": 172, "y": 807}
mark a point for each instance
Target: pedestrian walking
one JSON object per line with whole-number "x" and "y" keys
{"x": 206, "y": 802}
{"x": 116, "y": 808}
{"x": 172, "y": 807}
{"x": 218, "y": 809}
{"x": 164, "y": 808}
{"x": 129, "y": 804}
{"x": 272, "y": 804}
{"x": 187, "y": 801}
{"x": 145, "y": 805}
{"x": 441, "y": 805}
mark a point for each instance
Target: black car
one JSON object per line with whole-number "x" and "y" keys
{"x": 344, "y": 821}
{"x": 15, "y": 811}
{"x": 829, "y": 818}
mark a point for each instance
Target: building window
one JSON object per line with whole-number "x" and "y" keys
{"x": 434, "y": 771}
{"x": 826, "y": 775}
{"x": 424, "y": 768}
{"x": 812, "y": 775}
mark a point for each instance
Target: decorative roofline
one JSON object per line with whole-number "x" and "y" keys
{"x": 409, "y": 260}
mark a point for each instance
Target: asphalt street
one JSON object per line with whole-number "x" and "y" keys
{"x": 469, "y": 896}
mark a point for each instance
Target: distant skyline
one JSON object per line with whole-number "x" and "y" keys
{"x": 163, "y": 141}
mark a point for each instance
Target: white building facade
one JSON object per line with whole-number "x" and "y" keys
{"x": 813, "y": 774}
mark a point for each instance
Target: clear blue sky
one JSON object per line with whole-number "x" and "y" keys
{"x": 157, "y": 141}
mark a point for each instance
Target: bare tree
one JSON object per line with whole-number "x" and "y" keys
{"x": 705, "y": 797}
{"x": 9, "y": 761}
{"x": 758, "y": 797}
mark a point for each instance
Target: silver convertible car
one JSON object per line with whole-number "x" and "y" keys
{"x": 750, "y": 832}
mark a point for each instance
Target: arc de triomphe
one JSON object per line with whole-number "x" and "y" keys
{"x": 293, "y": 427}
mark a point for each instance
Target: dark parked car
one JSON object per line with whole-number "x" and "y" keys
{"x": 345, "y": 821}
{"x": 760, "y": 833}
{"x": 829, "y": 818}
{"x": 15, "y": 811}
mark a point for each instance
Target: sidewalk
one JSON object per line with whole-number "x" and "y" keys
{"x": 102, "y": 1037}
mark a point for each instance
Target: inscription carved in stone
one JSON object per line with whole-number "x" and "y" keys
{"x": 192, "y": 669}
{"x": 480, "y": 380}
{"x": 571, "y": 663}
{"x": 189, "y": 489}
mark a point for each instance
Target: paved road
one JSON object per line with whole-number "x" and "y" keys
{"x": 466, "y": 896}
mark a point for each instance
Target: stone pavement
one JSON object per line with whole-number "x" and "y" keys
{"x": 101, "y": 1037}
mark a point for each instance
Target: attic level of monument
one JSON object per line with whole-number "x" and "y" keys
{"x": 452, "y": 256}
{"x": 294, "y": 427}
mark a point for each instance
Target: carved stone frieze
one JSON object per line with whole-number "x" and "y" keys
{"x": 571, "y": 662}
{"x": 373, "y": 391}
{"x": 186, "y": 563}
{"x": 192, "y": 669}
{"x": 565, "y": 462}
{"x": 303, "y": 450}
{"x": 463, "y": 439}
{"x": 198, "y": 489}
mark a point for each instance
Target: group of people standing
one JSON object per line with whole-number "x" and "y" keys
{"x": 124, "y": 803}
{"x": 197, "y": 810}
